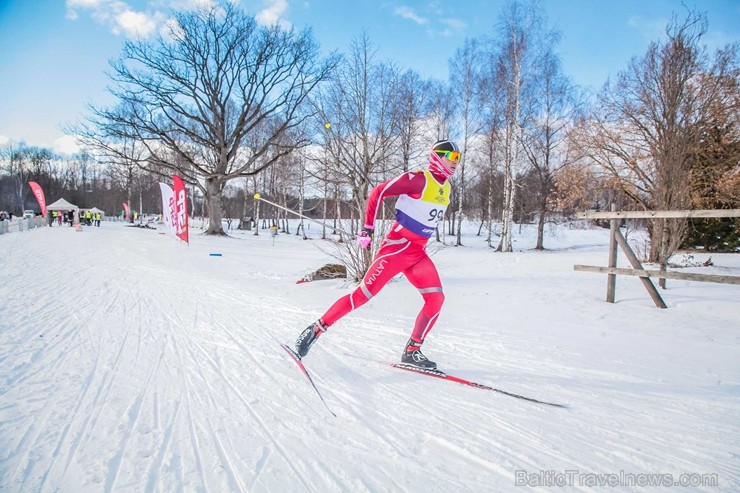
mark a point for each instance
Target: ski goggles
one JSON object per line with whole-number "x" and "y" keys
{"x": 453, "y": 156}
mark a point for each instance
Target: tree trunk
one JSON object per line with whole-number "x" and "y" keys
{"x": 541, "y": 226}
{"x": 245, "y": 220}
{"x": 489, "y": 207}
{"x": 507, "y": 218}
{"x": 213, "y": 199}
{"x": 459, "y": 228}
{"x": 324, "y": 212}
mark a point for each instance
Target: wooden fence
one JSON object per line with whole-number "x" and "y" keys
{"x": 616, "y": 239}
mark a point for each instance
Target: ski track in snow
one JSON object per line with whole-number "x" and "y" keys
{"x": 131, "y": 363}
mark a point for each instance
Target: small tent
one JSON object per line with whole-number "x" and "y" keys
{"x": 62, "y": 205}
{"x": 93, "y": 211}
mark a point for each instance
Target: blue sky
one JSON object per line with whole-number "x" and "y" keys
{"x": 54, "y": 53}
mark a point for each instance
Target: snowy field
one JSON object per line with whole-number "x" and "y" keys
{"x": 132, "y": 363}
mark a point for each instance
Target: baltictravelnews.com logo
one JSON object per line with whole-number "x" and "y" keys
{"x": 575, "y": 477}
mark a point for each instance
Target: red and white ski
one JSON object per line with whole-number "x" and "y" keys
{"x": 295, "y": 357}
{"x": 453, "y": 378}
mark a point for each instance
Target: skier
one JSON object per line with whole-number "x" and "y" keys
{"x": 423, "y": 199}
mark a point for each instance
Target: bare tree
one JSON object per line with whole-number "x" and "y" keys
{"x": 491, "y": 100}
{"x": 520, "y": 28}
{"x": 322, "y": 169}
{"x": 363, "y": 107}
{"x": 413, "y": 97}
{"x": 15, "y": 164}
{"x": 465, "y": 73}
{"x": 440, "y": 112}
{"x": 212, "y": 98}
{"x": 646, "y": 127}
{"x": 440, "y": 109}
{"x": 544, "y": 139}
{"x": 125, "y": 157}
{"x": 25, "y": 163}
{"x": 715, "y": 168}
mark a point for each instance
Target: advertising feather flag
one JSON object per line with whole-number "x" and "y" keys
{"x": 38, "y": 192}
{"x": 181, "y": 209}
{"x": 168, "y": 207}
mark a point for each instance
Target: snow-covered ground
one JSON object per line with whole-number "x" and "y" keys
{"x": 131, "y": 362}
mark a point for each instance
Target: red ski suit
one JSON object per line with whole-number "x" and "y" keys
{"x": 402, "y": 251}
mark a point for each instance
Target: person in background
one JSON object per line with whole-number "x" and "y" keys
{"x": 423, "y": 197}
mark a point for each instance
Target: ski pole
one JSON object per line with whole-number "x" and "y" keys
{"x": 259, "y": 197}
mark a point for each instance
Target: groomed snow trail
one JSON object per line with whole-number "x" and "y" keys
{"x": 129, "y": 362}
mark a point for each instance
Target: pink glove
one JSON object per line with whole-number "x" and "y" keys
{"x": 365, "y": 238}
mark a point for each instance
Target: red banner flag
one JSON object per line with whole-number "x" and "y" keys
{"x": 181, "y": 209}
{"x": 128, "y": 211}
{"x": 39, "y": 193}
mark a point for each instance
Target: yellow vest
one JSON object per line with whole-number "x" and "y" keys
{"x": 422, "y": 215}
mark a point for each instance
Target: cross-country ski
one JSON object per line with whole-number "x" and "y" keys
{"x": 297, "y": 360}
{"x": 436, "y": 373}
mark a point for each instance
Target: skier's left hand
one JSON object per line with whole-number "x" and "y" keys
{"x": 365, "y": 238}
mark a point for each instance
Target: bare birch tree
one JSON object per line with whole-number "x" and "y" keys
{"x": 520, "y": 27}
{"x": 491, "y": 101}
{"x": 413, "y": 97}
{"x": 440, "y": 112}
{"x": 465, "y": 73}
{"x": 545, "y": 137}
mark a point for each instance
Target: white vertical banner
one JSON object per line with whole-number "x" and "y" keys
{"x": 168, "y": 207}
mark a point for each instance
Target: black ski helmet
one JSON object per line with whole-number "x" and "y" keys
{"x": 445, "y": 145}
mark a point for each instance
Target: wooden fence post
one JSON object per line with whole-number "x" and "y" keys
{"x": 657, "y": 299}
{"x": 611, "y": 282}
{"x": 616, "y": 240}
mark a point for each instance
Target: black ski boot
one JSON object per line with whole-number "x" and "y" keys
{"x": 412, "y": 355}
{"x": 309, "y": 335}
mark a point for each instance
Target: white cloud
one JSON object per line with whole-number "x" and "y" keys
{"x": 410, "y": 14}
{"x": 443, "y": 25}
{"x": 71, "y": 4}
{"x": 192, "y": 4}
{"x": 272, "y": 14}
{"x": 67, "y": 144}
{"x": 4, "y": 139}
{"x": 170, "y": 30}
{"x": 118, "y": 16}
{"x": 134, "y": 24}
{"x": 122, "y": 19}
{"x": 74, "y": 5}
{"x": 451, "y": 27}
